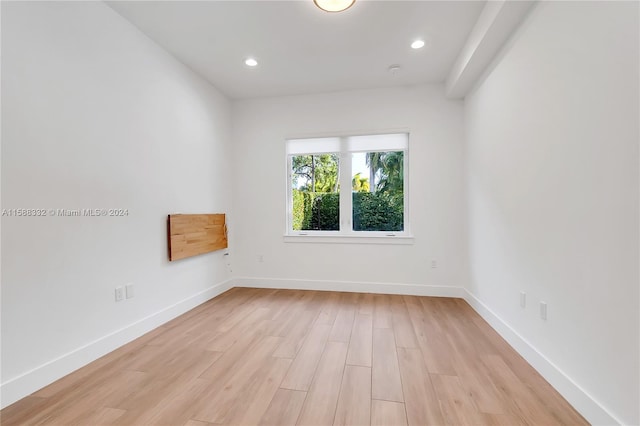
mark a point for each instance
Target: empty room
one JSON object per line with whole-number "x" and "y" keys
{"x": 320, "y": 212}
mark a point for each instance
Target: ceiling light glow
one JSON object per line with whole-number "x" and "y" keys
{"x": 417, "y": 44}
{"x": 334, "y": 5}
{"x": 250, "y": 62}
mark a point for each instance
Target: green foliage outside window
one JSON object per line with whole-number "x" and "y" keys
{"x": 372, "y": 211}
{"x": 375, "y": 211}
{"x": 302, "y": 205}
{"x": 316, "y": 211}
{"x": 378, "y": 200}
{"x": 316, "y": 173}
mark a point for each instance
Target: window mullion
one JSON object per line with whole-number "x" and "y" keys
{"x": 346, "y": 227}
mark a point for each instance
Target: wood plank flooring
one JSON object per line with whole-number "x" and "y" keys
{"x": 284, "y": 357}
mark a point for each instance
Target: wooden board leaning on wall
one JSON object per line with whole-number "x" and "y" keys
{"x": 194, "y": 234}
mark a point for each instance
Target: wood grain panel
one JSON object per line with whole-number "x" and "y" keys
{"x": 341, "y": 331}
{"x": 387, "y": 413}
{"x": 251, "y": 404}
{"x": 320, "y": 406}
{"x": 360, "y": 344}
{"x": 381, "y": 312}
{"x": 455, "y": 404}
{"x": 385, "y": 380}
{"x": 284, "y": 409}
{"x": 194, "y": 234}
{"x": 421, "y": 403}
{"x": 402, "y": 326}
{"x": 354, "y": 404}
{"x": 301, "y": 373}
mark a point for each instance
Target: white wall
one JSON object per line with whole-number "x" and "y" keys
{"x": 436, "y": 188}
{"x": 552, "y": 164}
{"x": 95, "y": 115}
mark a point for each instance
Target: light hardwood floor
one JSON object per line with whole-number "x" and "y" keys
{"x": 283, "y": 357}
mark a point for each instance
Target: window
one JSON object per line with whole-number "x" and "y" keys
{"x": 348, "y": 186}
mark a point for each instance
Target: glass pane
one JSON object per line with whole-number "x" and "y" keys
{"x": 316, "y": 192}
{"x": 378, "y": 191}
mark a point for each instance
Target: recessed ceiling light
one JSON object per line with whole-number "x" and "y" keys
{"x": 334, "y": 5}
{"x": 250, "y": 62}
{"x": 417, "y": 44}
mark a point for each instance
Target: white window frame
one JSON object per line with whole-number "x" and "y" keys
{"x": 345, "y": 147}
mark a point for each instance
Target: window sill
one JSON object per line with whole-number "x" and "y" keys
{"x": 350, "y": 239}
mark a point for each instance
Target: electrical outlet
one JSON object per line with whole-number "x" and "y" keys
{"x": 543, "y": 310}
{"x": 260, "y": 258}
{"x": 434, "y": 264}
{"x": 523, "y": 299}
{"x": 227, "y": 261}
{"x": 119, "y": 294}
{"x": 129, "y": 291}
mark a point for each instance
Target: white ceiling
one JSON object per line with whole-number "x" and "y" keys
{"x": 301, "y": 49}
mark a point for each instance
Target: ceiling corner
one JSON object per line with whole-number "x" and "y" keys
{"x": 496, "y": 24}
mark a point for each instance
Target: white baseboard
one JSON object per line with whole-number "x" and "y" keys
{"x": 584, "y": 403}
{"x": 35, "y": 379}
{"x": 14, "y": 389}
{"x": 351, "y": 286}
